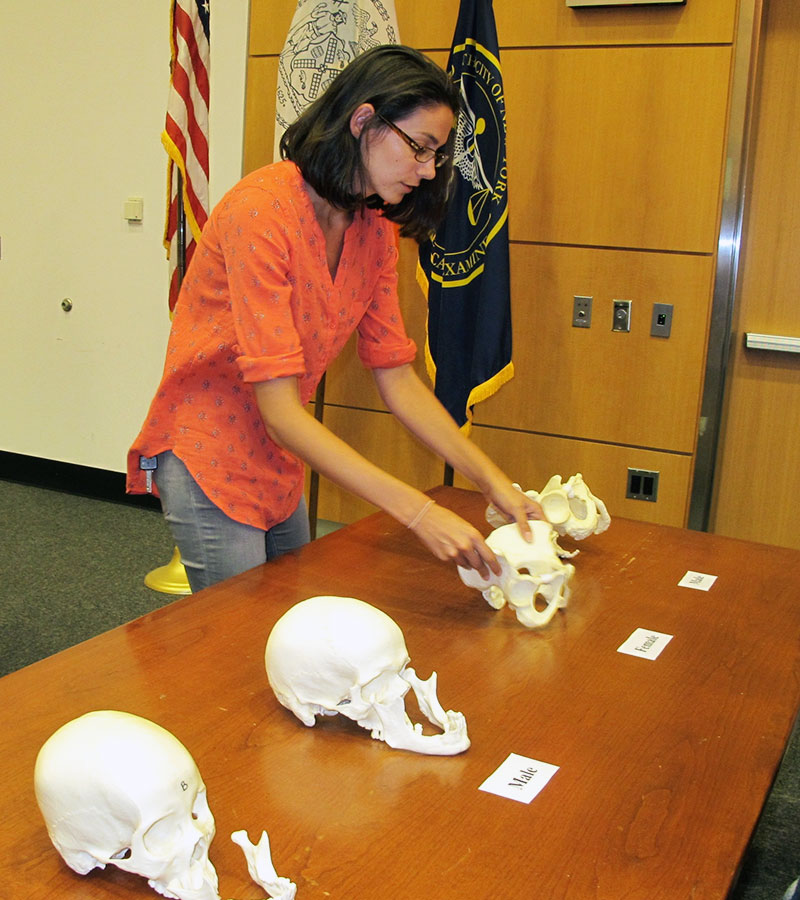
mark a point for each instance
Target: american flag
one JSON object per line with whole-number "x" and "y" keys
{"x": 185, "y": 135}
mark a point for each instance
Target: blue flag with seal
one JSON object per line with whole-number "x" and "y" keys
{"x": 464, "y": 268}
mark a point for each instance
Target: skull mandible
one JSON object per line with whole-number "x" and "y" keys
{"x": 531, "y": 573}
{"x": 329, "y": 655}
{"x": 116, "y": 789}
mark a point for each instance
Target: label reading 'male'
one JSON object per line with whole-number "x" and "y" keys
{"x": 519, "y": 778}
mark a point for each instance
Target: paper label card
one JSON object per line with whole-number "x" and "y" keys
{"x": 519, "y": 778}
{"x": 644, "y": 643}
{"x": 697, "y": 580}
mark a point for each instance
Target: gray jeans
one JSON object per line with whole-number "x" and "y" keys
{"x": 213, "y": 546}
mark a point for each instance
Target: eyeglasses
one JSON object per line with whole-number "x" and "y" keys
{"x": 421, "y": 154}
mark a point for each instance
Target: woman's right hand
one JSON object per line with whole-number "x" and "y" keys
{"x": 451, "y": 538}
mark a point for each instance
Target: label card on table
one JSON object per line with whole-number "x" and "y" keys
{"x": 697, "y": 580}
{"x": 519, "y": 778}
{"x": 644, "y": 643}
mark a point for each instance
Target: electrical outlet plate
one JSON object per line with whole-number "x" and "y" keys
{"x": 622, "y": 316}
{"x": 642, "y": 485}
{"x": 581, "y": 311}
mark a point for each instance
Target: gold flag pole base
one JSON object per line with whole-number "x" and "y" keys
{"x": 169, "y": 579}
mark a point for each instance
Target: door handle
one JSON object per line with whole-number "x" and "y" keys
{"x": 754, "y": 341}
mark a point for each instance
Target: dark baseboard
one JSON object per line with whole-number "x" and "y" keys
{"x": 99, "y": 484}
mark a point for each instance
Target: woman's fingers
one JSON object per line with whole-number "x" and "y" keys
{"x": 449, "y": 537}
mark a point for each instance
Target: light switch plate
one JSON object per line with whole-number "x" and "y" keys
{"x": 661, "y": 323}
{"x": 133, "y": 209}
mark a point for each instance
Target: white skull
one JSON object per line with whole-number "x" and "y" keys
{"x": 570, "y": 508}
{"x": 532, "y": 573}
{"x": 329, "y": 655}
{"x": 116, "y": 789}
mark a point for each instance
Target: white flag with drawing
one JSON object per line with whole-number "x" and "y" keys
{"x": 325, "y": 35}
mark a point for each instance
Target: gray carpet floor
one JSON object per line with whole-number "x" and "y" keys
{"x": 72, "y": 567}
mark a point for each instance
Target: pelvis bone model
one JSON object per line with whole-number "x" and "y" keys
{"x": 533, "y": 581}
{"x": 571, "y": 508}
{"x": 116, "y": 789}
{"x": 329, "y": 655}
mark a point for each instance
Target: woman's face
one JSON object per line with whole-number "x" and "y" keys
{"x": 391, "y": 168}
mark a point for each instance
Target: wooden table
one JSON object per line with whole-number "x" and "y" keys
{"x": 664, "y": 764}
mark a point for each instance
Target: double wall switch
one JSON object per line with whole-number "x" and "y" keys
{"x": 581, "y": 311}
{"x": 661, "y": 323}
{"x": 622, "y": 316}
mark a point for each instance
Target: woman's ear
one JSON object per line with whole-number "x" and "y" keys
{"x": 360, "y": 117}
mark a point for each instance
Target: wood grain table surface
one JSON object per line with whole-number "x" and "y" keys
{"x": 664, "y": 764}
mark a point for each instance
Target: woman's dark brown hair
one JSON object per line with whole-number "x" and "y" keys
{"x": 396, "y": 80}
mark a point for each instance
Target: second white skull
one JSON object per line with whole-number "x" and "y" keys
{"x": 329, "y": 655}
{"x": 534, "y": 581}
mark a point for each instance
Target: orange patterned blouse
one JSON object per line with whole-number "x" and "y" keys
{"x": 258, "y": 302}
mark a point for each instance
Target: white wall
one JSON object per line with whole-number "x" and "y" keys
{"x": 82, "y": 107}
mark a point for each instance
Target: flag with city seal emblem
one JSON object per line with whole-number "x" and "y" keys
{"x": 464, "y": 269}
{"x": 324, "y": 36}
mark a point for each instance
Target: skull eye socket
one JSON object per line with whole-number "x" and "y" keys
{"x": 172, "y": 836}
{"x": 163, "y": 837}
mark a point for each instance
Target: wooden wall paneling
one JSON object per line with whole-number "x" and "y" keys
{"x": 617, "y": 146}
{"x": 531, "y": 23}
{"x": 259, "y": 112}
{"x": 382, "y": 439}
{"x": 420, "y": 29}
{"x": 348, "y": 383}
{"x": 758, "y": 472}
{"x": 531, "y": 459}
{"x": 771, "y": 252}
{"x": 593, "y": 383}
{"x": 543, "y": 22}
{"x": 759, "y": 478}
{"x": 269, "y": 24}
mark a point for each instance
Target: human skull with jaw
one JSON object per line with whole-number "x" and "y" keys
{"x": 531, "y": 573}
{"x": 571, "y": 508}
{"x": 117, "y": 789}
{"x": 329, "y": 655}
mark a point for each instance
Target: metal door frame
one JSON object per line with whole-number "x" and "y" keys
{"x": 721, "y": 327}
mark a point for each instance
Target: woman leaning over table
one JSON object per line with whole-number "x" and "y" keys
{"x": 295, "y": 257}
